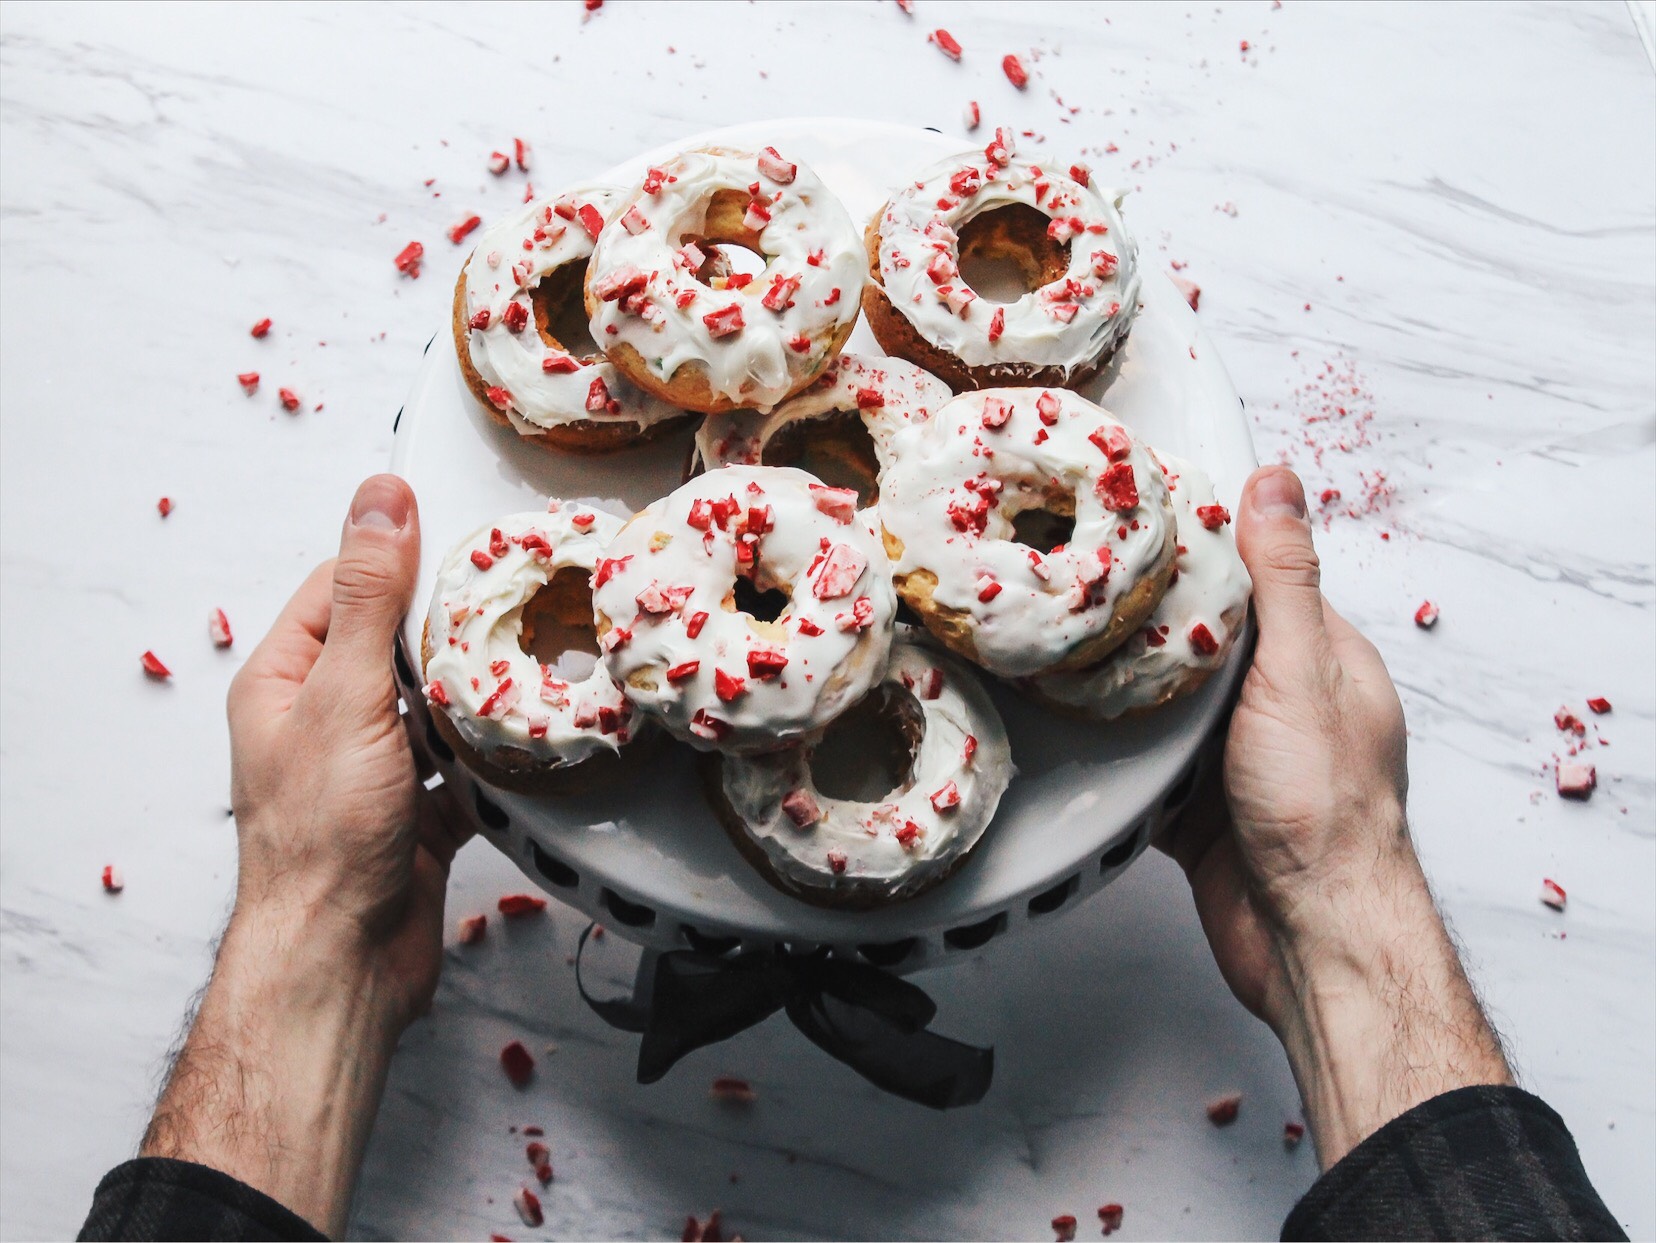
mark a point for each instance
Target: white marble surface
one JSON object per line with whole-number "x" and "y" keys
{"x": 1462, "y": 195}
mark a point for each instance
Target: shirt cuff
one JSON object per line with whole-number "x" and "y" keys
{"x": 1476, "y": 1163}
{"x": 159, "y": 1198}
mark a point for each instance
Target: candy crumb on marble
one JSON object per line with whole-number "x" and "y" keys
{"x": 1292, "y": 1133}
{"x": 1222, "y": 1110}
{"x": 260, "y": 329}
{"x": 499, "y": 162}
{"x": 1015, "y": 72}
{"x": 1576, "y": 780}
{"x": 528, "y": 1207}
{"x": 1109, "y": 1217}
{"x": 289, "y": 399}
{"x": 1426, "y": 615}
{"x": 945, "y": 42}
{"x": 113, "y": 881}
{"x": 734, "y": 1091}
{"x": 500, "y": 1238}
{"x": 1599, "y": 705}
{"x": 513, "y": 905}
{"x": 249, "y": 380}
{"x": 218, "y": 628}
{"x": 153, "y": 666}
{"x": 1552, "y": 894}
{"x": 973, "y": 116}
{"x": 458, "y": 232}
{"x": 534, "y": 1130}
{"x": 1569, "y": 722}
{"x": 1190, "y": 289}
{"x": 164, "y": 506}
{"x": 408, "y": 260}
{"x": 472, "y": 929}
{"x": 540, "y": 1160}
{"x": 518, "y": 1063}
{"x": 1063, "y": 1227}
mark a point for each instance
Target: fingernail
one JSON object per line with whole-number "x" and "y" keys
{"x": 1278, "y": 494}
{"x": 381, "y": 504}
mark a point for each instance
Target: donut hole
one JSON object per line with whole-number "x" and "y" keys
{"x": 1045, "y": 522}
{"x": 836, "y": 448}
{"x": 730, "y": 246}
{"x": 866, "y": 754}
{"x": 560, "y": 312}
{"x": 762, "y": 604}
{"x": 727, "y": 259}
{"x": 557, "y": 626}
{"x": 1005, "y": 253}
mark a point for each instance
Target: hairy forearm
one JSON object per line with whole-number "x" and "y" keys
{"x": 279, "y": 1078}
{"x": 1378, "y": 1015}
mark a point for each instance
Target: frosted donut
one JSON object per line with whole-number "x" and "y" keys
{"x": 991, "y": 469}
{"x": 918, "y": 821}
{"x": 515, "y": 294}
{"x": 518, "y": 723}
{"x": 1064, "y": 233}
{"x": 732, "y": 341}
{"x": 1193, "y": 628}
{"x": 838, "y": 429}
{"x": 676, "y": 594}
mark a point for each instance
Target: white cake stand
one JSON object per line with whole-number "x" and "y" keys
{"x": 649, "y": 861}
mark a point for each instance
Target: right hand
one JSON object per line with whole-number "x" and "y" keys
{"x": 1301, "y": 866}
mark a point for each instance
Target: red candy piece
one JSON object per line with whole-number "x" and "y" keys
{"x": 289, "y": 399}
{"x": 1202, "y": 641}
{"x": 260, "y": 329}
{"x": 1016, "y": 74}
{"x": 153, "y": 666}
{"x": 1427, "y": 614}
{"x": 840, "y": 571}
{"x": 473, "y": 928}
{"x": 513, "y": 905}
{"x": 1118, "y": 488}
{"x": 1222, "y": 1111}
{"x": 516, "y": 1061}
{"x": 249, "y": 380}
{"x": 112, "y": 880}
{"x": 1063, "y": 1226}
{"x": 408, "y": 259}
{"x": 801, "y": 808}
{"x": 1577, "y": 781}
{"x": 1212, "y": 516}
{"x": 1599, "y": 705}
{"x": 1109, "y": 1217}
{"x": 946, "y": 43}
{"x": 724, "y": 322}
{"x": 218, "y": 626}
{"x": 164, "y": 506}
{"x": 726, "y": 687}
{"x": 458, "y": 232}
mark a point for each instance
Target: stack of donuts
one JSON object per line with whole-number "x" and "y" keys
{"x": 860, "y": 540}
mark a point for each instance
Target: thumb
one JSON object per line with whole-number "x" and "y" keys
{"x": 373, "y": 579}
{"x": 1273, "y": 534}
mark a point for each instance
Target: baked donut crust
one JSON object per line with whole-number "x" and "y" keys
{"x": 950, "y": 502}
{"x": 723, "y": 344}
{"x": 861, "y": 854}
{"x": 580, "y": 436}
{"x": 1065, "y": 235}
{"x": 523, "y": 773}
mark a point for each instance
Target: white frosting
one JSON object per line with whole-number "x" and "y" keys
{"x": 1069, "y": 323}
{"x": 1211, "y": 589}
{"x": 955, "y": 483}
{"x": 513, "y": 257}
{"x": 715, "y": 676}
{"x": 810, "y": 247}
{"x": 887, "y": 393}
{"x": 497, "y": 694}
{"x": 899, "y": 843}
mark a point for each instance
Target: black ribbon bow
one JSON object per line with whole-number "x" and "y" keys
{"x": 869, "y": 1019}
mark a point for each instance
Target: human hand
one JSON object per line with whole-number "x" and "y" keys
{"x": 335, "y": 940}
{"x": 1300, "y": 861}
{"x": 335, "y": 830}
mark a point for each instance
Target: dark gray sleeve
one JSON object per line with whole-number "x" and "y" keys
{"x": 1475, "y": 1163}
{"x": 159, "y": 1198}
